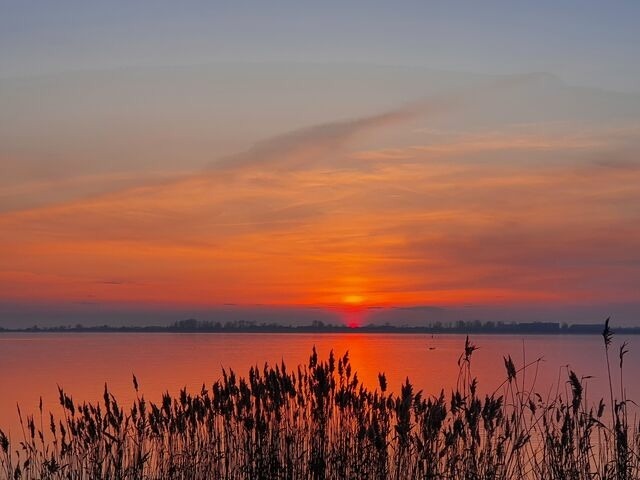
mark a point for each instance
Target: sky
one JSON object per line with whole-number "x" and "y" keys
{"x": 403, "y": 162}
{"x": 585, "y": 42}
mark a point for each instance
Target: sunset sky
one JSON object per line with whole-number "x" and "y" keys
{"x": 398, "y": 161}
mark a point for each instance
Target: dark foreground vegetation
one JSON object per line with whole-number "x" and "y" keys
{"x": 319, "y": 422}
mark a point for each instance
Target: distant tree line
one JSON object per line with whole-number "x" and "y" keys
{"x": 191, "y": 325}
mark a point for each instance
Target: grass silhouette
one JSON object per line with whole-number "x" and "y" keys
{"x": 319, "y": 422}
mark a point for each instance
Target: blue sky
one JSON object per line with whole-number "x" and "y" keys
{"x": 584, "y": 42}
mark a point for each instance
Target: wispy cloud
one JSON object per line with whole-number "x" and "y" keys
{"x": 305, "y": 147}
{"x": 372, "y": 207}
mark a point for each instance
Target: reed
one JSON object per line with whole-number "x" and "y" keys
{"x": 318, "y": 421}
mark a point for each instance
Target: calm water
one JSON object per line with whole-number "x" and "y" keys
{"x": 32, "y": 365}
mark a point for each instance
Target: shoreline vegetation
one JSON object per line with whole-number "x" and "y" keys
{"x": 460, "y": 327}
{"x": 317, "y": 421}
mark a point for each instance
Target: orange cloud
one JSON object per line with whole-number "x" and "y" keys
{"x": 304, "y": 220}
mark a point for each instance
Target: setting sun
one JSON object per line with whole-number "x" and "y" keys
{"x": 353, "y": 299}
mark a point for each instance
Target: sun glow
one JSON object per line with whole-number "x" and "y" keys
{"x": 353, "y": 299}
{"x": 353, "y": 310}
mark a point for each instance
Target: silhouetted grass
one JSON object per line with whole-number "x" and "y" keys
{"x": 319, "y": 422}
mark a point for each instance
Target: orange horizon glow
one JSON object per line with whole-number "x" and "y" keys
{"x": 420, "y": 225}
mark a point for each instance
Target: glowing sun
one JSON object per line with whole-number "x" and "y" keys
{"x": 353, "y": 299}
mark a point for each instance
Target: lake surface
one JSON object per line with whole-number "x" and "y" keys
{"x": 32, "y": 365}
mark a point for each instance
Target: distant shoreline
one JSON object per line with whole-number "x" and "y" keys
{"x": 464, "y": 328}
